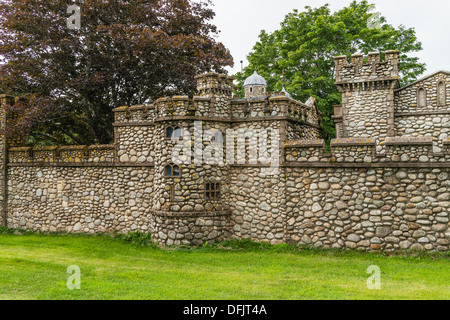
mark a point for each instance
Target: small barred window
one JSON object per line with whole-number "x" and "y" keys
{"x": 212, "y": 191}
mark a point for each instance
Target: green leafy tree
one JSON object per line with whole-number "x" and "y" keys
{"x": 119, "y": 53}
{"x": 305, "y": 45}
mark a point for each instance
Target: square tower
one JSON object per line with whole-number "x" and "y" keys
{"x": 367, "y": 95}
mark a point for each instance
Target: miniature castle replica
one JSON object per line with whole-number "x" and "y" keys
{"x": 385, "y": 186}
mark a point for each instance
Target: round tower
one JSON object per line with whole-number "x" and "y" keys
{"x": 255, "y": 86}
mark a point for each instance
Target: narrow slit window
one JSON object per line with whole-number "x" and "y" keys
{"x": 421, "y": 97}
{"x": 441, "y": 94}
{"x": 169, "y": 133}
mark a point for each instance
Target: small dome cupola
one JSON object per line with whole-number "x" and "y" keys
{"x": 255, "y": 86}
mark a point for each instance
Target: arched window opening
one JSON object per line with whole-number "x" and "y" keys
{"x": 175, "y": 133}
{"x": 421, "y": 97}
{"x": 172, "y": 170}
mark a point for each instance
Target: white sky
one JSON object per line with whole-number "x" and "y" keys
{"x": 240, "y": 22}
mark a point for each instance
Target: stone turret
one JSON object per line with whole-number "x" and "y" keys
{"x": 367, "y": 95}
{"x": 219, "y": 89}
{"x": 212, "y": 84}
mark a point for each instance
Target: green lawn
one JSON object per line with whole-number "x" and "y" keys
{"x": 34, "y": 267}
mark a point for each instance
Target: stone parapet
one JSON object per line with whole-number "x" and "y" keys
{"x": 275, "y": 106}
{"x": 305, "y": 150}
{"x": 407, "y": 150}
{"x": 65, "y": 154}
{"x": 135, "y": 114}
{"x": 354, "y": 150}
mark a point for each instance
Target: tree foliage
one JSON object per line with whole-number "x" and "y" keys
{"x": 305, "y": 45}
{"x": 125, "y": 53}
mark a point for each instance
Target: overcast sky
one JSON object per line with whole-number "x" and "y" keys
{"x": 241, "y": 21}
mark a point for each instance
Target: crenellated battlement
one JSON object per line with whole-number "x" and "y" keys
{"x": 373, "y": 70}
{"x": 141, "y": 113}
{"x": 212, "y": 84}
{"x": 399, "y": 151}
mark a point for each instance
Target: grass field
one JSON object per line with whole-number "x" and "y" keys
{"x": 35, "y": 266}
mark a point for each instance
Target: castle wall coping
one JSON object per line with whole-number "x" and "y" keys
{"x": 134, "y": 124}
{"x": 305, "y": 143}
{"x": 141, "y": 107}
{"x": 119, "y": 109}
{"x": 134, "y": 108}
{"x": 69, "y": 148}
{"x": 20, "y": 149}
{"x": 343, "y": 165}
{"x": 182, "y": 215}
{"x": 403, "y": 141}
{"x": 164, "y": 99}
{"x": 329, "y": 163}
{"x": 347, "y": 142}
{"x": 425, "y": 113}
{"x": 102, "y": 147}
{"x": 202, "y": 98}
{"x": 62, "y": 148}
{"x": 45, "y": 148}
{"x": 83, "y": 164}
{"x": 374, "y": 79}
{"x": 180, "y": 98}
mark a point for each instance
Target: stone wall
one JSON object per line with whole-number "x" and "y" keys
{"x": 257, "y": 205}
{"x": 369, "y": 208}
{"x": 80, "y": 199}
